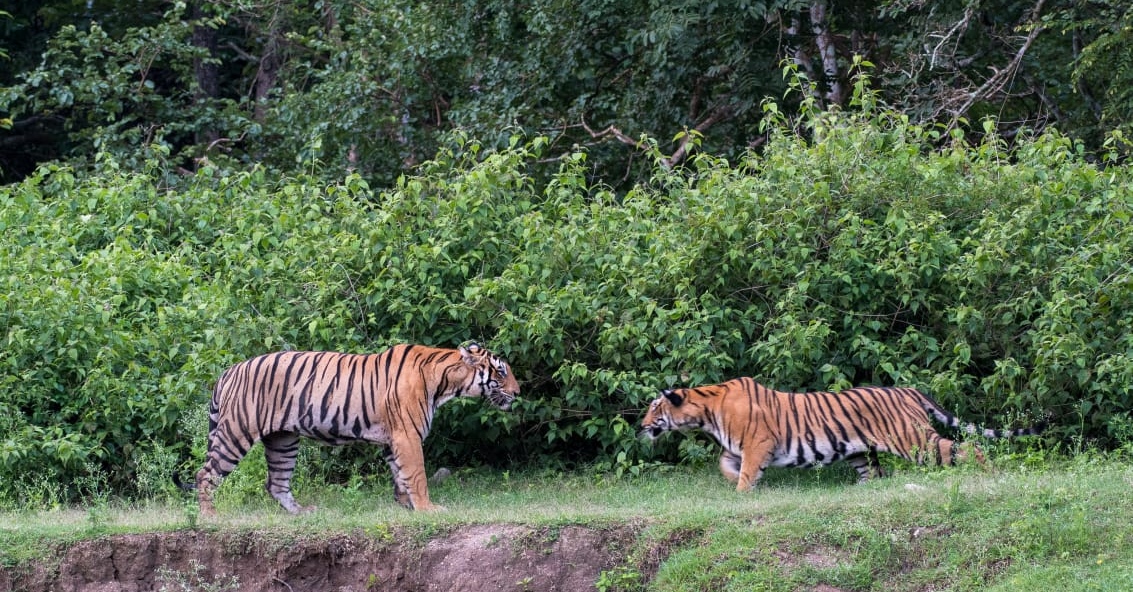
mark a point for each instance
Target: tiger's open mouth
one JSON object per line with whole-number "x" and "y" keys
{"x": 651, "y": 432}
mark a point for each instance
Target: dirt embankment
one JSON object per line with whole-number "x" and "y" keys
{"x": 471, "y": 558}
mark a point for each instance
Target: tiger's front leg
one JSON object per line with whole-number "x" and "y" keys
{"x": 410, "y": 486}
{"x": 753, "y": 460}
{"x": 730, "y": 466}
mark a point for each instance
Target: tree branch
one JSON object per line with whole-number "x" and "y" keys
{"x": 682, "y": 150}
{"x": 1000, "y": 78}
{"x": 611, "y": 131}
{"x": 1044, "y": 98}
{"x": 957, "y": 30}
{"x": 716, "y": 116}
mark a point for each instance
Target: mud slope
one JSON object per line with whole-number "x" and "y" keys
{"x": 471, "y": 558}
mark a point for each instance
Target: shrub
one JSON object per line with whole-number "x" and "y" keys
{"x": 845, "y": 253}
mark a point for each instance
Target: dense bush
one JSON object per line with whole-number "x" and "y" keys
{"x": 845, "y": 253}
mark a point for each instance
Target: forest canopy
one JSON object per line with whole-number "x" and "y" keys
{"x": 372, "y": 87}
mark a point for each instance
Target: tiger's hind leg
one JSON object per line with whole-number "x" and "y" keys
{"x": 280, "y": 450}
{"x": 223, "y": 454}
{"x": 962, "y": 451}
{"x": 399, "y": 494}
{"x": 867, "y": 464}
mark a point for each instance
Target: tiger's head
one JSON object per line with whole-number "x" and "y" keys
{"x": 670, "y": 411}
{"x": 492, "y": 376}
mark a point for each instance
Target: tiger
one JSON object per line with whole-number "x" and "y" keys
{"x": 387, "y": 398}
{"x": 759, "y": 427}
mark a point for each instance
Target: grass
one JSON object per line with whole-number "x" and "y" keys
{"x": 1063, "y": 526}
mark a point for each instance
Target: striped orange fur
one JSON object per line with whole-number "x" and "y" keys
{"x": 759, "y": 427}
{"x": 388, "y": 399}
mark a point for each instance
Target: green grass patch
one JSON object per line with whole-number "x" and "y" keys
{"x": 1062, "y": 527}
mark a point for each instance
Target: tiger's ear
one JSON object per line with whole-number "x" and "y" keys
{"x": 471, "y": 352}
{"x": 673, "y": 397}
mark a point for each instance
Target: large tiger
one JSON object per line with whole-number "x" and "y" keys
{"x": 387, "y": 398}
{"x": 759, "y": 427}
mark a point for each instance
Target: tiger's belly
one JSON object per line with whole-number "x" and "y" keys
{"x": 807, "y": 452}
{"x": 337, "y": 432}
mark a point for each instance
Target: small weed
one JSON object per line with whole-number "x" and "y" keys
{"x": 152, "y": 475}
{"x": 381, "y": 533}
{"x": 957, "y": 502}
{"x": 619, "y": 579}
{"x": 191, "y": 511}
{"x": 196, "y": 579}
{"x": 39, "y": 493}
{"x": 98, "y": 517}
{"x": 94, "y": 488}
{"x": 624, "y": 466}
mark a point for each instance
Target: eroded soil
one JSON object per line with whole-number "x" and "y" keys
{"x": 470, "y": 558}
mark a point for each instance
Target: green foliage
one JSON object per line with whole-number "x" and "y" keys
{"x": 374, "y": 86}
{"x": 126, "y": 94}
{"x": 1101, "y": 71}
{"x": 847, "y": 252}
{"x": 619, "y": 579}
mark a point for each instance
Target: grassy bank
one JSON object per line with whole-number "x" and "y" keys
{"x": 1062, "y": 526}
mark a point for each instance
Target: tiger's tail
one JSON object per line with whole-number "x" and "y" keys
{"x": 943, "y": 416}
{"x": 181, "y": 484}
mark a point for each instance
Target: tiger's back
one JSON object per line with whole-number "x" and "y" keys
{"x": 819, "y": 428}
{"x": 333, "y": 397}
{"x": 760, "y": 427}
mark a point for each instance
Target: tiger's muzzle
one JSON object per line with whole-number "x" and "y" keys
{"x": 501, "y": 398}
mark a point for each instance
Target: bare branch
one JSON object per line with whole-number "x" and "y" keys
{"x": 956, "y": 31}
{"x": 241, "y": 53}
{"x": 716, "y": 116}
{"x": 611, "y": 131}
{"x": 1052, "y": 106}
{"x": 1000, "y": 77}
{"x": 682, "y": 150}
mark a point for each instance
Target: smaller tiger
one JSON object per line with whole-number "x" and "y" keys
{"x": 760, "y": 427}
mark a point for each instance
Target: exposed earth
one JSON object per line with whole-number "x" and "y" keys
{"x": 469, "y": 558}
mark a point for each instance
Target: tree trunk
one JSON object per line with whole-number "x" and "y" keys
{"x": 827, "y": 53}
{"x": 271, "y": 61}
{"x": 205, "y": 71}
